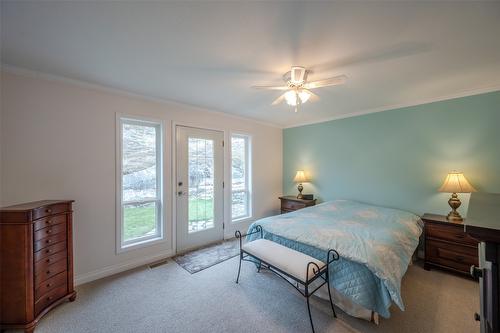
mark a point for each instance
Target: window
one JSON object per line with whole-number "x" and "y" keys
{"x": 140, "y": 177}
{"x": 240, "y": 177}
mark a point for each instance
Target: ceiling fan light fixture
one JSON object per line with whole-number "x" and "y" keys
{"x": 291, "y": 97}
{"x": 304, "y": 96}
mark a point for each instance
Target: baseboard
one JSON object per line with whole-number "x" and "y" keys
{"x": 118, "y": 268}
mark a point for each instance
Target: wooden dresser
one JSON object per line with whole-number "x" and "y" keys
{"x": 290, "y": 203}
{"x": 36, "y": 266}
{"x": 447, "y": 246}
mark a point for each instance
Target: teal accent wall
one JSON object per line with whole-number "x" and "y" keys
{"x": 399, "y": 158}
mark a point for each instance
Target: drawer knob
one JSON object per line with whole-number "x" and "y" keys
{"x": 48, "y": 210}
{"x": 49, "y": 231}
{"x": 48, "y": 272}
{"x": 48, "y": 241}
{"x": 48, "y": 260}
{"x": 47, "y": 251}
{"x": 49, "y": 298}
{"x": 48, "y": 221}
{"x": 49, "y": 285}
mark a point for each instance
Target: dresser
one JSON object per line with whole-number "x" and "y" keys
{"x": 36, "y": 266}
{"x": 447, "y": 246}
{"x": 290, "y": 203}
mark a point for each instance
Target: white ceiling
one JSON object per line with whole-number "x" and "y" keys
{"x": 209, "y": 54}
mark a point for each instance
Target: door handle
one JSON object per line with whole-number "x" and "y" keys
{"x": 180, "y": 193}
{"x": 476, "y": 272}
{"x": 179, "y": 183}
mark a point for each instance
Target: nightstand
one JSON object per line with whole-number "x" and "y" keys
{"x": 290, "y": 203}
{"x": 447, "y": 246}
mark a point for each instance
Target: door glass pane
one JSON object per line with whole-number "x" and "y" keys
{"x": 200, "y": 184}
{"x": 139, "y": 162}
{"x": 239, "y": 207}
{"x": 139, "y": 220}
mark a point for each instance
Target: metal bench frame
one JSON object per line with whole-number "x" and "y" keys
{"x": 319, "y": 273}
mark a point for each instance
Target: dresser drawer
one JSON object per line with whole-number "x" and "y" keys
{"x": 57, "y": 280}
{"x": 48, "y": 241}
{"x": 42, "y": 265}
{"x": 455, "y": 256}
{"x": 50, "y": 297}
{"x": 48, "y": 231}
{"x": 49, "y": 221}
{"x": 454, "y": 234}
{"x": 292, "y": 205}
{"x": 51, "y": 210}
{"x": 50, "y": 271}
{"x": 48, "y": 251}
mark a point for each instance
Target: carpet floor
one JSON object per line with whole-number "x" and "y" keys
{"x": 169, "y": 299}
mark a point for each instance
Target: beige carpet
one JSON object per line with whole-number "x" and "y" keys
{"x": 169, "y": 299}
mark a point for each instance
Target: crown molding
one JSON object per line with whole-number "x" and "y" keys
{"x": 465, "y": 93}
{"x": 108, "y": 89}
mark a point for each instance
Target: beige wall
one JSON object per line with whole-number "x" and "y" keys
{"x": 58, "y": 142}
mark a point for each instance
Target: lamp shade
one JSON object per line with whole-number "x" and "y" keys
{"x": 300, "y": 177}
{"x": 455, "y": 182}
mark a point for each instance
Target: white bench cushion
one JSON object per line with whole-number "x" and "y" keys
{"x": 289, "y": 261}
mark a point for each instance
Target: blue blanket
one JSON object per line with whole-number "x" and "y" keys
{"x": 375, "y": 246}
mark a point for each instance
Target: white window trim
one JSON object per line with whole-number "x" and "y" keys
{"x": 248, "y": 176}
{"x": 160, "y": 202}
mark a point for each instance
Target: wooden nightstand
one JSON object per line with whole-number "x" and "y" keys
{"x": 447, "y": 246}
{"x": 290, "y": 203}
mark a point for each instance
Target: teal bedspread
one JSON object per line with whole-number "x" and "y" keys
{"x": 375, "y": 246}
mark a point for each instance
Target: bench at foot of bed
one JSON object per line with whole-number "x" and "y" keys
{"x": 288, "y": 263}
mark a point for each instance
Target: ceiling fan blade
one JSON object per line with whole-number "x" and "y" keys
{"x": 271, "y": 87}
{"x": 333, "y": 81}
{"x": 278, "y": 100}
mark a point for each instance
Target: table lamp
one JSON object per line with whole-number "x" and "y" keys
{"x": 455, "y": 183}
{"x": 300, "y": 178}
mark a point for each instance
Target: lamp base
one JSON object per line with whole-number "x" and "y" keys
{"x": 454, "y": 203}
{"x": 454, "y": 216}
{"x": 300, "y": 188}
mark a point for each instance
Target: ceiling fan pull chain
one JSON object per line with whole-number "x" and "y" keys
{"x": 298, "y": 101}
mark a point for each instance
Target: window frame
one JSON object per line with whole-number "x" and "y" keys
{"x": 159, "y": 236}
{"x": 248, "y": 177}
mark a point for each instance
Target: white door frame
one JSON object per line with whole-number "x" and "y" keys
{"x": 175, "y": 189}
{"x": 230, "y": 227}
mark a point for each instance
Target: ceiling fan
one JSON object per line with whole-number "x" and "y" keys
{"x": 298, "y": 90}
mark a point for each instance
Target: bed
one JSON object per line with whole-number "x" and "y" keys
{"x": 375, "y": 244}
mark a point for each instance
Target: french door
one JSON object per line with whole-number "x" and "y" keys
{"x": 199, "y": 182}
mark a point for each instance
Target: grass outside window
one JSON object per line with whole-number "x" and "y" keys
{"x": 139, "y": 221}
